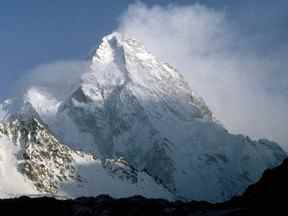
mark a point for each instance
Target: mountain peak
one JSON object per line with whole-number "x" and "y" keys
{"x": 122, "y": 64}
{"x": 120, "y": 59}
{"x": 131, "y": 105}
{"x": 106, "y": 51}
{"x": 117, "y": 45}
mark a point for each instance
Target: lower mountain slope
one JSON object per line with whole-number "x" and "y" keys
{"x": 266, "y": 197}
{"x": 33, "y": 161}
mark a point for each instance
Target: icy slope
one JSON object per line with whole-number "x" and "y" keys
{"x": 33, "y": 161}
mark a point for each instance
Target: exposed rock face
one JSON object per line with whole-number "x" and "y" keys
{"x": 50, "y": 165}
{"x": 43, "y": 160}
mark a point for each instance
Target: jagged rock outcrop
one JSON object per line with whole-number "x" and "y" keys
{"x": 54, "y": 168}
{"x": 42, "y": 159}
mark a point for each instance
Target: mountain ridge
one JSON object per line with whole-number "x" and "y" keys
{"x": 130, "y": 105}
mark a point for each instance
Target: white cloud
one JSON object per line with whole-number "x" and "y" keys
{"x": 239, "y": 84}
{"x": 57, "y": 79}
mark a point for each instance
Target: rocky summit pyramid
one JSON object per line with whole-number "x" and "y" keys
{"x": 131, "y": 126}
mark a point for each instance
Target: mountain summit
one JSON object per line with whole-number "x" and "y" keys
{"x": 130, "y": 105}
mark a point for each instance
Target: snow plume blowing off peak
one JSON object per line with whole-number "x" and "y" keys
{"x": 245, "y": 89}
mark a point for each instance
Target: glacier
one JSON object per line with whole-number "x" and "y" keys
{"x": 132, "y": 110}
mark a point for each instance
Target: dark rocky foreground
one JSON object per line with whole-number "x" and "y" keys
{"x": 266, "y": 197}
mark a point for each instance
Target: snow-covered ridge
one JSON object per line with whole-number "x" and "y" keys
{"x": 132, "y": 106}
{"x": 111, "y": 44}
{"x": 43, "y": 165}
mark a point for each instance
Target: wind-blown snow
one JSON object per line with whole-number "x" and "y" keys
{"x": 245, "y": 87}
{"x": 12, "y": 182}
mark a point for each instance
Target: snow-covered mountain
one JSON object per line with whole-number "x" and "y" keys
{"x": 130, "y": 105}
